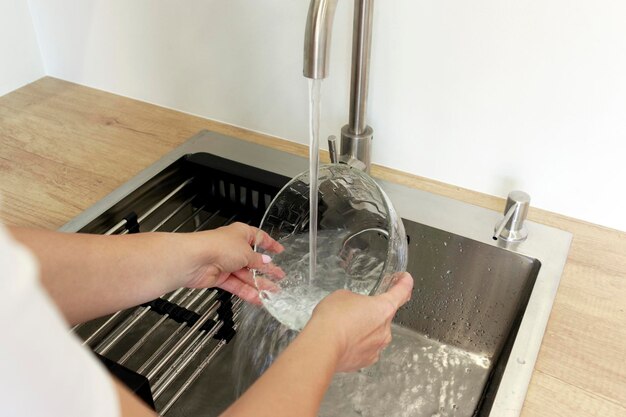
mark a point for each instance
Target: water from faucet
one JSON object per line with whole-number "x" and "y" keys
{"x": 314, "y": 165}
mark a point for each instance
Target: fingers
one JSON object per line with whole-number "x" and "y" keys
{"x": 400, "y": 291}
{"x": 263, "y": 240}
{"x": 254, "y": 236}
{"x": 387, "y": 340}
{"x": 264, "y": 265}
{"x": 245, "y": 275}
{"x": 271, "y": 271}
{"x": 244, "y": 291}
{"x": 262, "y": 284}
{"x": 257, "y": 260}
{"x": 248, "y": 291}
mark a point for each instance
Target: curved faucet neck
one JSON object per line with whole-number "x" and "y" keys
{"x": 356, "y": 136}
{"x": 317, "y": 38}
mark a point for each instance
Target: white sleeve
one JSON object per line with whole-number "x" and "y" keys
{"x": 44, "y": 370}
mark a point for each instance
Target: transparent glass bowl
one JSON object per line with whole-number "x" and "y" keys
{"x": 361, "y": 243}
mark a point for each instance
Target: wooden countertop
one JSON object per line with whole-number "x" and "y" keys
{"x": 63, "y": 147}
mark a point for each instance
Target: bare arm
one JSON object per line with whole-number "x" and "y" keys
{"x": 89, "y": 276}
{"x": 295, "y": 384}
{"x": 130, "y": 405}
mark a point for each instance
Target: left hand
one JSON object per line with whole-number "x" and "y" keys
{"x": 225, "y": 257}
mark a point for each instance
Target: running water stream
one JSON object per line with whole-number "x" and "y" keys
{"x": 314, "y": 165}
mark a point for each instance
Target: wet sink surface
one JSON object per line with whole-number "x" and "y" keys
{"x": 467, "y": 294}
{"x": 467, "y": 303}
{"x": 470, "y": 297}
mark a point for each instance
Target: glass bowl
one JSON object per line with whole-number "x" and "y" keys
{"x": 361, "y": 243}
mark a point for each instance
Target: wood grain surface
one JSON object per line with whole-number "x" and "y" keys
{"x": 64, "y": 146}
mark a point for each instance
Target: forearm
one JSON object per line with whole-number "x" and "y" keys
{"x": 130, "y": 405}
{"x": 89, "y": 276}
{"x": 295, "y": 384}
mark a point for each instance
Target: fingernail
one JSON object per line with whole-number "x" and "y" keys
{"x": 266, "y": 259}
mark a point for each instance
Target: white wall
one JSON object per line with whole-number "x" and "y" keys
{"x": 489, "y": 95}
{"x": 20, "y": 60}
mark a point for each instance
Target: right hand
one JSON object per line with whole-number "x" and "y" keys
{"x": 359, "y": 325}
{"x": 224, "y": 258}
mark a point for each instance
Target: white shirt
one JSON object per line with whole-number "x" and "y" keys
{"x": 44, "y": 370}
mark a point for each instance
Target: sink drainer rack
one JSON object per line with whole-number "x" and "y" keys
{"x": 168, "y": 342}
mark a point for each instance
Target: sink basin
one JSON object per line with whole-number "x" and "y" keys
{"x": 465, "y": 311}
{"x": 468, "y": 339}
{"x": 467, "y": 294}
{"x": 470, "y": 297}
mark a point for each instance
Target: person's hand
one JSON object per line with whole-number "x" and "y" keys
{"x": 360, "y": 325}
{"x": 225, "y": 259}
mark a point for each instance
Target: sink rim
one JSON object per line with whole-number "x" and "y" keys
{"x": 547, "y": 244}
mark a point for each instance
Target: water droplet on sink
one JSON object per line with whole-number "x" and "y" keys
{"x": 521, "y": 361}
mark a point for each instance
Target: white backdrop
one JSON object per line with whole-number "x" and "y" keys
{"x": 491, "y": 95}
{"x": 20, "y": 60}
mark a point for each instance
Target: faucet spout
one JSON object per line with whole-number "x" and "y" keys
{"x": 356, "y": 136}
{"x": 317, "y": 38}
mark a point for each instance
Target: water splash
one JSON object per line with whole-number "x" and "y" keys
{"x": 415, "y": 376}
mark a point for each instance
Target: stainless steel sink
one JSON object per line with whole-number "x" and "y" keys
{"x": 476, "y": 301}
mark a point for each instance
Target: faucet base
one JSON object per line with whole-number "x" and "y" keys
{"x": 356, "y": 149}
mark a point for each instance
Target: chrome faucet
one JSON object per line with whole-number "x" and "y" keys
{"x": 356, "y": 136}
